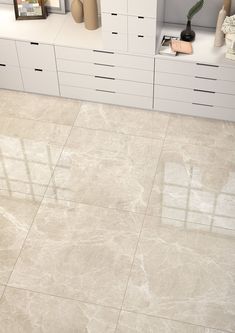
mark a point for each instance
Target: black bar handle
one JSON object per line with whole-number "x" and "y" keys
{"x": 204, "y": 91}
{"x": 33, "y": 43}
{"x": 3, "y": 65}
{"x": 38, "y": 69}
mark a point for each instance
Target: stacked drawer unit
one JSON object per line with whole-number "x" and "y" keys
{"x": 130, "y": 25}
{"x": 105, "y": 77}
{"x": 10, "y": 76}
{"x": 38, "y": 68}
{"x": 198, "y": 89}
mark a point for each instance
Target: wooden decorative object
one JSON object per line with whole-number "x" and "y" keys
{"x": 77, "y": 11}
{"x": 91, "y": 14}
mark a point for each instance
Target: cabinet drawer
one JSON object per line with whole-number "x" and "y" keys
{"x": 195, "y": 69}
{"x": 114, "y": 22}
{"x": 106, "y": 97}
{"x": 194, "y": 110}
{"x": 8, "y": 54}
{"x": 195, "y": 96}
{"x": 115, "y": 41}
{"x": 35, "y": 55}
{"x": 141, "y": 44}
{"x": 97, "y": 82}
{"x": 182, "y": 81}
{"x": 114, "y": 72}
{"x": 10, "y": 78}
{"x": 141, "y": 25}
{"x": 107, "y": 58}
{"x": 141, "y": 8}
{"x": 41, "y": 82}
{"x": 114, "y": 6}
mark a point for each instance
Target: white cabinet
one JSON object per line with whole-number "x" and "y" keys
{"x": 142, "y": 8}
{"x": 114, "y": 22}
{"x": 114, "y": 6}
{"x": 8, "y": 54}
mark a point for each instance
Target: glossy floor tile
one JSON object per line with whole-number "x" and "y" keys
{"x": 79, "y": 251}
{"x": 38, "y": 107}
{"x": 123, "y": 120}
{"x": 138, "y": 323}
{"x": 29, "y": 151}
{"x": 195, "y": 184}
{"x": 17, "y": 212}
{"x": 24, "y": 311}
{"x": 106, "y": 169}
{"x": 186, "y": 275}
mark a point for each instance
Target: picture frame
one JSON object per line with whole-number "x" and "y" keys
{"x": 56, "y": 6}
{"x": 30, "y": 9}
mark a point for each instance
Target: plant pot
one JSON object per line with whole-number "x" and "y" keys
{"x": 188, "y": 35}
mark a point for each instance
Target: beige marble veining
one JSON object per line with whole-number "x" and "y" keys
{"x": 139, "y": 323}
{"x": 17, "y": 212}
{"x": 123, "y": 120}
{"x": 79, "y": 251}
{"x": 28, "y": 312}
{"x": 185, "y": 275}
{"x": 38, "y": 107}
{"x": 1, "y": 290}
{"x": 195, "y": 184}
{"x": 200, "y": 131}
{"x": 106, "y": 169}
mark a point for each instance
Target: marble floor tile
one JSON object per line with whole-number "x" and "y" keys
{"x": 106, "y": 169}
{"x": 138, "y": 323}
{"x": 123, "y": 120}
{"x": 38, "y": 107}
{"x": 199, "y": 131}
{"x": 195, "y": 184}
{"x": 28, "y": 312}
{"x": 185, "y": 275}
{"x": 29, "y": 151}
{"x": 79, "y": 251}
{"x": 17, "y": 212}
{"x": 1, "y": 290}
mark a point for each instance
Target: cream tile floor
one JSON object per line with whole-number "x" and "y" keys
{"x": 114, "y": 220}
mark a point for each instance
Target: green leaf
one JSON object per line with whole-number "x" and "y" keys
{"x": 195, "y": 9}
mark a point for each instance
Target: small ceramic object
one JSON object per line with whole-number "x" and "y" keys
{"x": 219, "y": 35}
{"x": 77, "y": 11}
{"x": 188, "y": 35}
{"x": 90, "y": 14}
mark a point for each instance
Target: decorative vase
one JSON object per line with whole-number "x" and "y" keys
{"x": 77, "y": 11}
{"x": 227, "y": 6}
{"x": 188, "y": 35}
{"x": 219, "y": 35}
{"x": 90, "y": 14}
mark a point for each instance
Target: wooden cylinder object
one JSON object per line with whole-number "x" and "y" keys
{"x": 219, "y": 35}
{"x": 227, "y": 6}
{"x": 77, "y": 11}
{"x": 90, "y": 14}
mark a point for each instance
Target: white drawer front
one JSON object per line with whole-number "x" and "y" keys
{"x": 34, "y": 55}
{"x": 107, "y": 58}
{"x": 141, "y": 25}
{"x": 41, "y": 82}
{"x": 115, "y": 41}
{"x": 10, "y": 78}
{"x": 195, "y": 69}
{"x": 182, "y": 81}
{"x": 106, "y": 97}
{"x": 141, "y": 44}
{"x": 195, "y": 96}
{"x": 114, "y": 72}
{"x": 142, "y": 8}
{"x": 8, "y": 54}
{"x": 97, "y": 82}
{"x": 114, "y": 6}
{"x": 194, "y": 109}
{"x": 114, "y": 22}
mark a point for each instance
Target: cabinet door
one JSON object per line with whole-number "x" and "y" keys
{"x": 8, "y": 54}
{"x": 115, "y": 41}
{"x": 142, "y": 8}
{"x": 114, "y": 6}
{"x": 10, "y": 78}
{"x": 114, "y": 22}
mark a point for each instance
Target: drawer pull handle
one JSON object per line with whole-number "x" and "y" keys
{"x": 99, "y": 51}
{"x": 38, "y": 70}
{"x": 207, "y": 65}
{"x": 204, "y": 91}
{"x": 111, "y": 92}
{"x": 205, "y": 78}
{"x": 141, "y": 17}
{"x": 3, "y": 65}
{"x": 114, "y": 33}
{"x": 113, "y": 14}
{"x": 106, "y": 65}
{"x": 104, "y": 77}
{"x": 200, "y": 104}
{"x": 140, "y": 36}
{"x": 33, "y": 43}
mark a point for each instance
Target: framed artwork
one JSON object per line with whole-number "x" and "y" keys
{"x": 30, "y": 9}
{"x": 55, "y": 6}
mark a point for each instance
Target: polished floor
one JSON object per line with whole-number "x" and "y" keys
{"x": 114, "y": 220}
